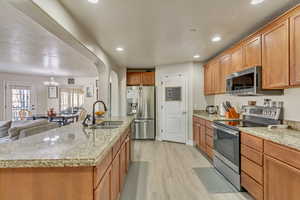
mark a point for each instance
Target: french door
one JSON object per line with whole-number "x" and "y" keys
{"x": 18, "y": 97}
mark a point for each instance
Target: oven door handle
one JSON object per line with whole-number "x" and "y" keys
{"x": 232, "y": 132}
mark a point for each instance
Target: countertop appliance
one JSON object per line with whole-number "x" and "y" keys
{"x": 227, "y": 139}
{"x": 248, "y": 83}
{"x": 212, "y": 109}
{"x": 141, "y": 104}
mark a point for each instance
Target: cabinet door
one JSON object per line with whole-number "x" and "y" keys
{"x": 225, "y": 66}
{"x": 103, "y": 191}
{"x": 275, "y": 56}
{"x": 148, "y": 78}
{"x": 127, "y": 154}
{"x": 134, "y": 78}
{"x": 237, "y": 60}
{"x": 295, "y": 49}
{"x": 281, "y": 181}
{"x": 206, "y": 79}
{"x": 115, "y": 177}
{"x": 216, "y": 75}
{"x": 253, "y": 52}
{"x": 203, "y": 138}
{"x": 122, "y": 166}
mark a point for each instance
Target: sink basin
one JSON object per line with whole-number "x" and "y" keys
{"x": 107, "y": 125}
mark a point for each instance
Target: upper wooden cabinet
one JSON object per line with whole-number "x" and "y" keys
{"x": 215, "y": 76}
{"x": 295, "y": 50}
{"x": 253, "y": 51}
{"x": 225, "y": 64}
{"x": 275, "y": 56}
{"x": 140, "y": 78}
{"x": 148, "y": 78}
{"x": 134, "y": 78}
{"x": 237, "y": 60}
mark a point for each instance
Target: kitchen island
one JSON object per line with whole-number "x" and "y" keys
{"x": 68, "y": 163}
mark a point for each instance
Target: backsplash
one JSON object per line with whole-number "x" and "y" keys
{"x": 292, "y": 124}
{"x": 290, "y": 98}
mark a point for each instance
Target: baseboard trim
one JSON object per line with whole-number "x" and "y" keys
{"x": 190, "y": 142}
{"x": 158, "y": 138}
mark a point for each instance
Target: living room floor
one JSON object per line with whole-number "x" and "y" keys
{"x": 163, "y": 170}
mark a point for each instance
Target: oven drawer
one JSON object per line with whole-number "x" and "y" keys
{"x": 252, "y": 169}
{"x": 252, "y": 141}
{"x": 252, "y": 186}
{"x": 252, "y": 154}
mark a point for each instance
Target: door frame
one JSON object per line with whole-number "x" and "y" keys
{"x": 160, "y": 114}
{"x": 6, "y": 100}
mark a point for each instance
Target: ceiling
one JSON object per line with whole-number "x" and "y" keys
{"x": 155, "y": 32}
{"x": 27, "y": 48}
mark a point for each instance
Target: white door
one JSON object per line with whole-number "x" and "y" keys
{"x": 174, "y": 109}
{"x": 18, "y": 97}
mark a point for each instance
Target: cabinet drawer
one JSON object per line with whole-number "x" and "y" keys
{"x": 252, "y": 141}
{"x": 209, "y": 152}
{"x": 210, "y": 132}
{"x": 285, "y": 154}
{"x": 100, "y": 169}
{"x": 208, "y": 124}
{"x": 252, "y": 169}
{"x": 116, "y": 147}
{"x": 209, "y": 141}
{"x": 252, "y": 154}
{"x": 252, "y": 186}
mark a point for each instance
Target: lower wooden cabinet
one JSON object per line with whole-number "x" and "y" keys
{"x": 281, "y": 181}
{"x": 103, "y": 191}
{"x": 115, "y": 178}
{"x": 255, "y": 189}
{"x": 203, "y": 136}
{"x": 122, "y": 165}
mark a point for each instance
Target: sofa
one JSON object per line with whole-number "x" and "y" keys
{"x": 20, "y": 129}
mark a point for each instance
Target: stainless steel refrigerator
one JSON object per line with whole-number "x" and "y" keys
{"x": 141, "y": 104}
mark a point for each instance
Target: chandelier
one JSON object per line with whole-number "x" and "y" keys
{"x": 52, "y": 82}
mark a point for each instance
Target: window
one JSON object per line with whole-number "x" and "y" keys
{"x": 70, "y": 98}
{"x": 20, "y": 101}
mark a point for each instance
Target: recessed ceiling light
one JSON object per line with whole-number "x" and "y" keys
{"x": 197, "y": 56}
{"x": 255, "y": 2}
{"x": 93, "y": 1}
{"x": 119, "y": 49}
{"x": 216, "y": 39}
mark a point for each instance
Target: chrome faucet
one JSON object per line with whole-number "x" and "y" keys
{"x": 94, "y": 106}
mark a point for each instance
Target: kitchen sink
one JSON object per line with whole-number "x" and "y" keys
{"x": 107, "y": 125}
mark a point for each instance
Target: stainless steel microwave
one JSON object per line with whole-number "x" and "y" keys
{"x": 248, "y": 83}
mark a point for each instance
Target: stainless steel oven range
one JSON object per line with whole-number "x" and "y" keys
{"x": 227, "y": 139}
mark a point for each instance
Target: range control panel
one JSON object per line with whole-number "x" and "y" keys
{"x": 274, "y": 113}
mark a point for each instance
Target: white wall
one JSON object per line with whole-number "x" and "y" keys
{"x": 37, "y": 84}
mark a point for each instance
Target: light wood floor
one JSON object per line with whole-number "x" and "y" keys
{"x": 171, "y": 171}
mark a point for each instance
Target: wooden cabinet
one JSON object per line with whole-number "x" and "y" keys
{"x": 134, "y": 78}
{"x": 212, "y": 82}
{"x": 237, "y": 60}
{"x": 253, "y": 51}
{"x": 225, "y": 68}
{"x": 140, "y": 78}
{"x": 202, "y": 136}
{"x": 209, "y": 79}
{"x": 127, "y": 146}
{"x": 255, "y": 189}
{"x": 295, "y": 50}
{"x": 148, "y": 78}
{"x": 281, "y": 181}
{"x": 102, "y": 192}
{"x": 122, "y": 165}
{"x": 115, "y": 177}
{"x": 275, "y": 56}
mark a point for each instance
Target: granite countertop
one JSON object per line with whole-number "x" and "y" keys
{"x": 68, "y": 146}
{"x": 287, "y": 137}
{"x": 209, "y": 117}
